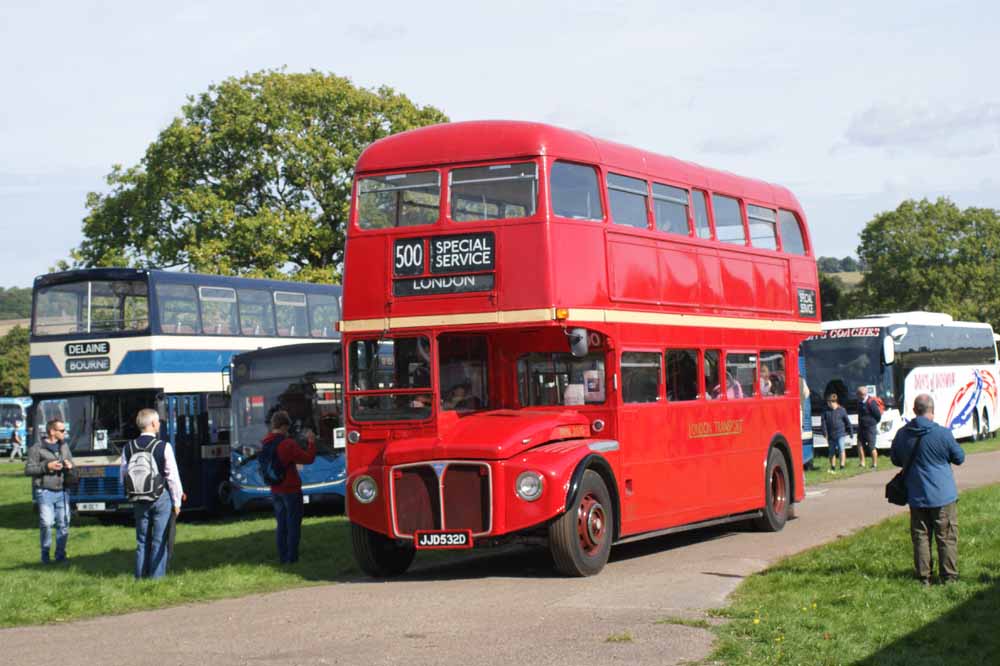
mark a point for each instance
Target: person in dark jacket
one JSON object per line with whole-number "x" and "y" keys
{"x": 287, "y": 495}
{"x": 837, "y": 431}
{"x": 930, "y": 490}
{"x": 869, "y": 415}
{"x": 47, "y": 460}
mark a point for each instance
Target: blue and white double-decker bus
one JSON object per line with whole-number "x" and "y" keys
{"x": 307, "y": 381}
{"x": 107, "y": 342}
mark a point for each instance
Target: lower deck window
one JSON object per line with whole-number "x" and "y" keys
{"x": 560, "y": 379}
{"x": 682, "y": 375}
{"x": 772, "y": 373}
{"x": 741, "y": 375}
{"x": 640, "y": 377}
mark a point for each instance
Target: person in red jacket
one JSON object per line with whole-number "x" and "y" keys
{"x": 287, "y": 495}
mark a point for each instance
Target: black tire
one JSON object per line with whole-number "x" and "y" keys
{"x": 984, "y": 430}
{"x": 378, "y": 555}
{"x": 580, "y": 539}
{"x": 777, "y": 494}
{"x": 975, "y": 427}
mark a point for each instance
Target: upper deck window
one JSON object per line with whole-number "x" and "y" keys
{"x": 762, "y": 227}
{"x": 399, "y": 200}
{"x": 324, "y": 313}
{"x": 290, "y": 309}
{"x": 575, "y": 193}
{"x": 218, "y": 310}
{"x": 494, "y": 192}
{"x": 627, "y": 198}
{"x": 670, "y": 209}
{"x": 791, "y": 233}
{"x": 178, "y": 308}
{"x": 256, "y": 312}
{"x": 728, "y": 220}
{"x": 110, "y": 306}
{"x": 701, "y": 227}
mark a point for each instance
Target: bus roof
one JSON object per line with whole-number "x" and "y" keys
{"x": 177, "y": 277}
{"x": 915, "y": 318}
{"x": 289, "y": 350}
{"x": 481, "y": 140}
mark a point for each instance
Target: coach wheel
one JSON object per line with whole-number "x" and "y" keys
{"x": 378, "y": 555}
{"x": 580, "y": 539}
{"x": 777, "y": 494}
{"x": 225, "y": 494}
{"x": 984, "y": 432}
{"x": 975, "y": 427}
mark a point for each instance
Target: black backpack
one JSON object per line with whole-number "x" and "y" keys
{"x": 272, "y": 470}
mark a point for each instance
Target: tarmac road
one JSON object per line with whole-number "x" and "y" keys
{"x": 500, "y": 607}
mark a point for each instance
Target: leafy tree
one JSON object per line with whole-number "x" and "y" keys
{"x": 933, "y": 256}
{"x": 253, "y": 178}
{"x": 14, "y": 362}
{"x": 15, "y": 303}
{"x": 849, "y": 265}
{"x": 828, "y": 265}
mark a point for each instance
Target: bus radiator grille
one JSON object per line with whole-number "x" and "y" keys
{"x": 418, "y": 500}
{"x": 461, "y": 489}
{"x": 99, "y": 486}
{"x": 462, "y": 486}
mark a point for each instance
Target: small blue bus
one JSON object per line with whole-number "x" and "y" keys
{"x": 306, "y": 380}
{"x": 13, "y": 419}
{"x": 107, "y": 342}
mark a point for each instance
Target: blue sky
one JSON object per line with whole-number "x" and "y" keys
{"x": 855, "y": 107}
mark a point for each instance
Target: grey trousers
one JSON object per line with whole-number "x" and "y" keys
{"x": 942, "y": 523}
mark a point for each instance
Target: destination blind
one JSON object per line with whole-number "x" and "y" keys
{"x": 444, "y": 264}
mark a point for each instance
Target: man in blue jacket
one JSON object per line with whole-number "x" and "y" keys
{"x": 930, "y": 490}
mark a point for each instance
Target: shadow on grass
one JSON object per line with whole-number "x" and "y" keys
{"x": 966, "y": 635}
{"x": 325, "y": 554}
{"x": 18, "y": 516}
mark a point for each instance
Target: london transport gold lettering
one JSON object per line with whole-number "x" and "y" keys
{"x": 702, "y": 429}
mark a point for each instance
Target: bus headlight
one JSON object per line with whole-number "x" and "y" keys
{"x": 365, "y": 489}
{"x": 529, "y": 486}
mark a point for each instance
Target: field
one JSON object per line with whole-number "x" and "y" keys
{"x": 855, "y": 601}
{"x": 212, "y": 560}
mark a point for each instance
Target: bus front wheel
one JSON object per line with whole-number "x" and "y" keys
{"x": 378, "y": 555}
{"x": 580, "y": 539}
{"x": 777, "y": 494}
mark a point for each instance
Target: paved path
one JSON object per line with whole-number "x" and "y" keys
{"x": 483, "y": 609}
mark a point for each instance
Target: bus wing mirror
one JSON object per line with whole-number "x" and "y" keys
{"x": 578, "y": 342}
{"x": 888, "y": 350}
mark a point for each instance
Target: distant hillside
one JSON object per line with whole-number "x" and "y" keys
{"x": 850, "y": 279}
{"x": 7, "y": 324}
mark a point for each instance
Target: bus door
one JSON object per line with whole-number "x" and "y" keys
{"x": 183, "y": 430}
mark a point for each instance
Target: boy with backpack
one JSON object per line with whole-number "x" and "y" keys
{"x": 153, "y": 484}
{"x": 279, "y": 454}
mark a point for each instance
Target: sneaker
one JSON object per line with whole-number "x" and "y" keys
{"x": 45, "y": 557}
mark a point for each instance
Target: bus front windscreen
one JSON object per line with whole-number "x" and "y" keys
{"x": 105, "y": 306}
{"x": 390, "y": 379}
{"x": 99, "y": 424}
{"x": 841, "y": 365}
{"x": 11, "y": 416}
{"x": 311, "y": 405}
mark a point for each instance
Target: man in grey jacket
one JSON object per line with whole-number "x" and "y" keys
{"x": 47, "y": 460}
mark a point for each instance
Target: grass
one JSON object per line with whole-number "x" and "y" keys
{"x": 623, "y": 637}
{"x": 821, "y": 464}
{"x": 855, "y": 601}
{"x": 212, "y": 560}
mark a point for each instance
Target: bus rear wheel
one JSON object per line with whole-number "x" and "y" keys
{"x": 777, "y": 494}
{"x": 984, "y": 431}
{"x": 378, "y": 555}
{"x": 976, "y": 434}
{"x": 580, "y": 539}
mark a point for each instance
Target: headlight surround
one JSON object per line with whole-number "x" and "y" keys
{"x": 529, "y": 486}
{"x": 365, "y": 489}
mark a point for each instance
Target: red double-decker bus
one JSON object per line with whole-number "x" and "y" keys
{"x": 550, "y": 336}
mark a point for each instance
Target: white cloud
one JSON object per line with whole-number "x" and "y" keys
{"x": 943, "y": 131}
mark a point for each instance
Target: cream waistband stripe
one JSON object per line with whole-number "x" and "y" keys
{"x": 579, "y": 315}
